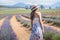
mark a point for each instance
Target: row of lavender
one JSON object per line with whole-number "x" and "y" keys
{"x": 24, "y": 22}
{"x": 4, "y": 15}
{"x": 49, "y": 19}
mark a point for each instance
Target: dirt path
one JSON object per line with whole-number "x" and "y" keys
{"x": 46, "y": 26}
{"x": 21, "y": 32}
{"x": 1, "y": 21}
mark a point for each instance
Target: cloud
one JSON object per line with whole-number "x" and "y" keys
{"x": 44, "y": 2}
{"x": 7, "y": 2}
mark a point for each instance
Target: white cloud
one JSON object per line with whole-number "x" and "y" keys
{"x": 7, "y": 2}
{"x": 45, "y": 2}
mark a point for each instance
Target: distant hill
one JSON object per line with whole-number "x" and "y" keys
{"x": 19, "y": 5}
{"x": 2, "y": 6}
{"x": 23, "y": 5}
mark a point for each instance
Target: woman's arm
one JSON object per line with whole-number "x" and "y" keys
{"x": 31, "y": 23}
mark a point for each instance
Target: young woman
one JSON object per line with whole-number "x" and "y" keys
{"x": 36, "y": 24}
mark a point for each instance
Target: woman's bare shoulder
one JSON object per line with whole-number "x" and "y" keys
{"x": 38, "y": 13}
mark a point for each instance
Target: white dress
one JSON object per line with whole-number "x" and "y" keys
{"x": 36, "y": 33}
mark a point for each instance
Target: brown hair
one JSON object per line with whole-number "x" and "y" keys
{"x": 33, "y": 14}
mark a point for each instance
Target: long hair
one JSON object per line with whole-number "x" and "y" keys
{"x": 33, "y": 14}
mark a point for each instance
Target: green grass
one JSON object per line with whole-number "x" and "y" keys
{"x": 48, "y": 35}
{"x": 21, "y": 10}
{"x": 50, "y": 11}
{"x": 15, "y": 11}
{"x": 56, "y": 37}
{"x": 51, "y": 36}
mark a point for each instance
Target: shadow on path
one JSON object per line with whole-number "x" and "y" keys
{"x": 6, "y": 31}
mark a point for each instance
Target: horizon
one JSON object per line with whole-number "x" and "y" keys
{"x": 43, "y": 2}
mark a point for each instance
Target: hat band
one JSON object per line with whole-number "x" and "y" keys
{"x": 34, "y": 9}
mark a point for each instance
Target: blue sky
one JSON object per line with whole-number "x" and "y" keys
{"x": 12, "y": 2}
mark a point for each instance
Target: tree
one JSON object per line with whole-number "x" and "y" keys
{"x": 49, "y": 7}
{"x": 41, "y": 6}
{"x": 26, "y": 7}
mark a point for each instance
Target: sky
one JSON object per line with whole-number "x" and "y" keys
{"x": 12, "y": 2}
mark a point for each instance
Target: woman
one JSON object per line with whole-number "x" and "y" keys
{"x": 36, "y": 24}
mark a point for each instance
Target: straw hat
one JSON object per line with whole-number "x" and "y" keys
{"x": 34, "y": 7}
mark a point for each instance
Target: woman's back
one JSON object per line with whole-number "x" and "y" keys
{"x": 36, "y": 20}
